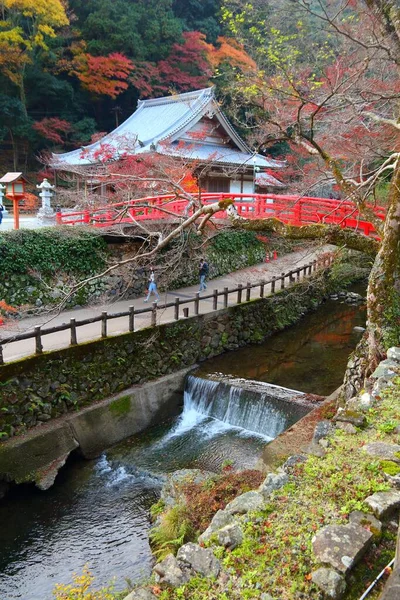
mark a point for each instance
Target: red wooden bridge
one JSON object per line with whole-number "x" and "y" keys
{"x": 293, "y": 210}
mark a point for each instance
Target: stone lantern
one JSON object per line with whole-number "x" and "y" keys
{"x": 46, "y": 214}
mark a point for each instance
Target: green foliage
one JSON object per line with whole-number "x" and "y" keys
{"x": 235, "y": 241}
{"x": 390, "y": 468}
{"x": 173, "y": 530}
{"x": 49, "y": 250}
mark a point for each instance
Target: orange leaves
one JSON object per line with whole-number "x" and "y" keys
{"x": 230, "y": 51}
{"x": 103, "y": 75}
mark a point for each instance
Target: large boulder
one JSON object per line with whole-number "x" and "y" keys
{"x": 201, "y": 560}
{"x": 383, "y": 451}
{"x": 272, "y": 482}
{"x": 341, "y": 546}
{"x": 383, "y": 504}
{"x": 246, "y": 502}
{"x": 230, "y": 536}
{"x": 220, "y": 519}
{"x": 366, "y": 520}
{"x": 168, "y": 572}
{"x": 331, "y": 583}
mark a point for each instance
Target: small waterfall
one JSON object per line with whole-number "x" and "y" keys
{"x": 255, "y": 407}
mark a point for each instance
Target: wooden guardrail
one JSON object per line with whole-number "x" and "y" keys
{"x": 243, "y": 295}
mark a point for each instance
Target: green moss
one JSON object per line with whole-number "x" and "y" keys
{"x": 120, "y": 406}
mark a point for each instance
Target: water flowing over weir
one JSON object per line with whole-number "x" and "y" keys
{"x": 256, "y": 407}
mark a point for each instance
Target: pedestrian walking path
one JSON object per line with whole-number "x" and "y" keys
{"x": 256, "y": 274}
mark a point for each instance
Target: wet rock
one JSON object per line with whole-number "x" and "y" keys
{"x": 366, "y": 520}
{"x": 383, "y": 504}
{"x": 383, "y": 451}
{"x": 394, "y": 354}
{"x": 322, "y": 430}
{"x": 292, "y": 462}
{"x": 201, "y": 560}
{"x": 245, "y": 503}
{"x": 220, "y": 519}
{"x": 273, "y": 482}
{"x": 331, "y": 583}
{"x": 230, "y": 536}
{"x": 387, "y": 368}
{"x": 140, "y": 594}
{"x": 341, "y": 546}
{"x": 169, "y": 573}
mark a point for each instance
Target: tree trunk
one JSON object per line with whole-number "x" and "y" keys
{"x": 383, "y": 287}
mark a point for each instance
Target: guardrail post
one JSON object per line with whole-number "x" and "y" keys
{"x": 131, "y": 319}
{"x": 262, "y": 285}
{"x": 38, "y": 341}
{"x": 282, "y": 281}
{"x": 248, "y": 291}
{"x": 240, "y": 291}
{"x": 86, "y": 217}
{"x": 1, "y": 356}
{"x": 291, "y": 277}
{"x": 215, "y": 300}
{"x": 297, "y": 274}
{"x": 304, "y": 271}
{"x": 74, "y": 340}
{"x": 104, "y": 324}
{"x": 273, "y": 282}
{"x": 186, "y": 312}
{"x": 154, "y": 314}
{"x": 309, "y": 268}
{"x": 197, "y": 303}
{"x": 176, "y": 309}
{"x": 226, "y": 297}
{"x": 314, "y": 265}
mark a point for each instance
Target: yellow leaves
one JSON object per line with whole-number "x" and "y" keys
{"x": 19, "y": 36}
{"x": 80, "y": 589}
{"x": 48, "y": 12}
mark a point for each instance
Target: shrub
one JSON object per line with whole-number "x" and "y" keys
{"x": 80, "y": 589}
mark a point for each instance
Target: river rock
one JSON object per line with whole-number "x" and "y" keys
{"x": 383, "y": 451}
{"x": 331, "y": 583}
{"x": 201, "y": 560}
{"x": 387, "y": 368}
{"x": 141, "y": 594}
{"x": 322, "y": 430}
{"x": 394, "y": 353}
{"x": 290, "y": 465}
{"x": 220, "y": 519}
{"x": 169, "y": 572}
{"x": 247, "y": 502}
{"x": 383, "y": 504}
{"x": 351, "y": 416}
{"x": 273, "y": 482}
{"x": 346, "y": 427}
{"x": 341, "y": 546}
{"x": 230, "y": 536}
{"x": 316, "y": 449}
{"x": 366, "y": 520}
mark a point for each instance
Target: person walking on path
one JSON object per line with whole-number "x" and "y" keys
{"x": 152, "y": 287}
{"x": 1, "y": 212}
{"x": 203, "y": 272}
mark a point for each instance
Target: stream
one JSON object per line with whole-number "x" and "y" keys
{"x": 97, "y": 513}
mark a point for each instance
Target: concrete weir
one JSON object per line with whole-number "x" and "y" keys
{"x": 37, "y": 456}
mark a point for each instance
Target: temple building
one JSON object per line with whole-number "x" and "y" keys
{"x": 189, "y": 127}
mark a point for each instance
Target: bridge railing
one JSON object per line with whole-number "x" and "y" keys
{"x": 181, "y": 307}
{"x": 293, "y": 210}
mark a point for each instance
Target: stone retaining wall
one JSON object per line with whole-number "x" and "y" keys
{"x": 40, "y": 388}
